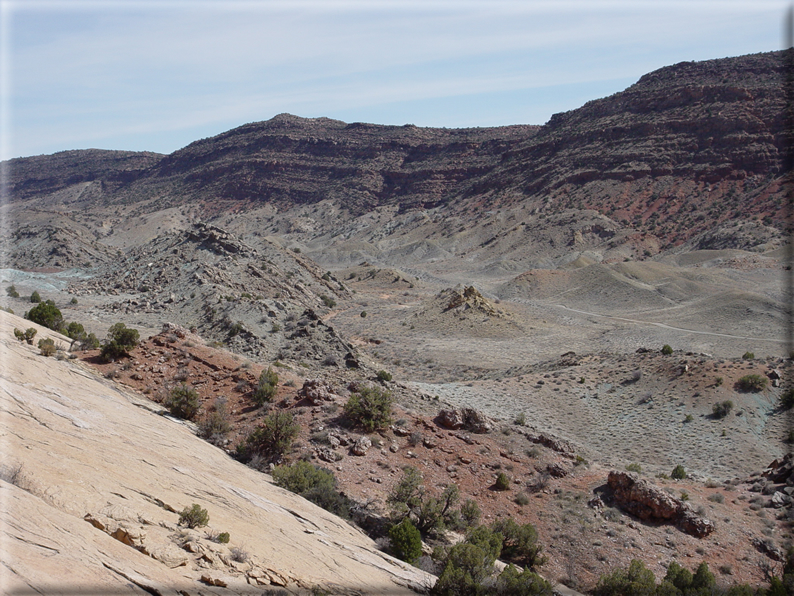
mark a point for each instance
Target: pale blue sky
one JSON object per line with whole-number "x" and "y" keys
{"x": 157, "y": 75}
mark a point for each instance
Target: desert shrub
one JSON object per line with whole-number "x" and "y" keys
{"x": 667, "y": 349}
{"x": 215, "y": 423}
{"x": 406, "y": 541}
{"x": 73, "y": 301}
{"x": 512, "y": 582}
{"x": 272, "y": 438}
{"x": 183, "y": 402}
{"x": 718, "y": 381}
{"x": 522, "y": 499}
{"x": 11, "y": 291}
{"x": 194, "y": 516}
{"x": 35, "y": 297}
{"x": 748, "y": 356}
{"x": 688, "y": 418}
{"x": 120, "y": 341}
{"x": 638, "y": 580}
{"x": 317, "y": 485}
{"x": 370, "y": 408}
{"x": 787, "y": 399}
{"x": 519, "y": 542}
{"x": 752, "y": 383}
{"x": 521, "y": 419}
{"x": 430, "y": 515}
{"x": 26, "y": 336}
{"x": 47, "y": 347}
{"x": 47, "y": 315}
{"x": 678, "y": 473}
{"x": 467, "y": 565}
{"x": 634, "y": 468}
{"x": 722, "y": 409}
{"x": 384, "y": 376}
{"x": 363, "y": 314}
{"x": 502, "y": 482}
{"x": 223, "y": 538}
{"x": 239, "y": 554}
{"x": 266, "y": 390}
{"x": 275, "y": 328}
{"x": 470, "y": 513}
{"x": 328, "y": 301}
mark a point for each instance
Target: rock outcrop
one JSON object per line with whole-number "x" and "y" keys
{"x": 647, "y": 501}
{"x": 466, "y": 418}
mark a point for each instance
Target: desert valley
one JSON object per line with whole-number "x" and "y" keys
{"x": 578, "y": 326}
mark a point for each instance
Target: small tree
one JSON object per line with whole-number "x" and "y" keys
{"x": 194, "y": 516}
{"x": 26, "y": 336}
{"x": 273, "y": 437}
{"x": 384, "y": 376}
{"x": 183, "y": 402}
{"x": 519, "y": 542}
{"x": 370, "y": 408}
{"x": 12, "y": 291}
{"x": 748, "y": 356}
{"x": 266, "y": 390}
{"x": 47, "y": 315}
{"x": 667, "y": 349}
{"x": 406, "y": 541}
{"x": 35, "y": 297}
{"x": 678, "y": 473}
{"x": 470, "y": 513}
{"x": 121, "y": 340}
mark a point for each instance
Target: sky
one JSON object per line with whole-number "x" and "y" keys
{"x": 157, "y": 75}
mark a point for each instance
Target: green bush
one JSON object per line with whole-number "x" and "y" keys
{"x": 73, "y": 301}
{"x": 511, "y": 582}
{"x": 787, "y": 399}
{"x": 406, "y": 541}
{"x": 266, "y": 390}
{"x": 370, "y": 408}
{"x": 317, "y": 485}
{"x": 26, "y": 336}
{"x": 634, "y": 468}
{"x": 47, "y": 315}
{"x": 194, "y": 517}
{"x": 722, "y": 409}
{"x": 120, "y": 341}
{"x": 363, "y": 314}
{"x": 272, "y": 438}
{"x": 667, "y": 350}
{"x": 678, "y": 473}
{"x": 430, "y": 515}
{"x": 384, "y": 376}
{"x": 470, "y": 513}
{"x": 748, "y": 356}
{"x": 502, "y": 482}
{"x": 47, "y": 347}
{"x": 183, "y": 402}
{"x": 224, "y": 538}
{"x": 467, "y": 565}
{"x": 521, "y": 419}
{"x": 519, "y": 543}
{"x": 35, "y": 297}
{"x": 12, "y": 291}
{"x": 329, "y": 302}
{"x": 752, "y": 383}
{"x": 636, "y": 581}
{"x": 215, "y": 423}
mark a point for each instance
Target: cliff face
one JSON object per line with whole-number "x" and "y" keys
{"x": 687, "y": 149}
{"x": 699, "y": 141}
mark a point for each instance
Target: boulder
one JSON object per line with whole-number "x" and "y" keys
{"x": 316, "y": 391}
{"x": 361, "y": 446}
{"x": 647, "y": 501}
{"x": 468, "y": 418}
